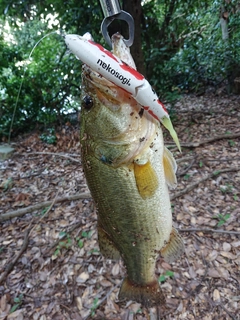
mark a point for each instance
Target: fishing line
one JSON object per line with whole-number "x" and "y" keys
{"x": 20, "y": 87}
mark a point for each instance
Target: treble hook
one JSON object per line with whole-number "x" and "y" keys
{"x": 112, "y": 11}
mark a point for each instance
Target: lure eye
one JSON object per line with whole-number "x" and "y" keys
{"x": 87, "y": 102}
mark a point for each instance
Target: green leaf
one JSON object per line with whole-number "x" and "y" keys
{"x": 62, "y": 234}
{"x": 220, "y": 223}
{"x": 169, "y": 273}
{"x": 14, "y": 308}
{"x": 162, "y": 278}
{"x": 80, "y": 244}
{"x": 235, "y": 197}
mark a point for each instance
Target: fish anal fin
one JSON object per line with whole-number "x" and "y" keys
{"x": 174, "y": 248}
{"x": 170, "y": 168}
{"x": 146, "y": 179}
{"x": 107, "y": 247}
{"x": 149, "y": 295}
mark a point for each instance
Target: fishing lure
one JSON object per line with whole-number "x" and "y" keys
{"x": 115, "y": 70}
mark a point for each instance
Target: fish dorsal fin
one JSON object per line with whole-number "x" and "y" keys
{"x": 174, "y": 248}
{"x": 170, "y": 168}
{"x": 146, "y": 179}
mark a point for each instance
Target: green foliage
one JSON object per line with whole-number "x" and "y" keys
{"x": 164, "y": 276}
{"x": 43, "y": 211}
{"x": 64, "y": 244}
{"x": 87, "y": 234}
{"x": 17, "y": 303}
{"x": 94, "y": 306}
{"x": 45, "y": 80}
{"x": 49, "y": 137}
{"x": 222, "y": 219}
{"x": 7, "y": 184}
{"x": 232, "y": 143}
{"x": 186, "y": 176}
{"x": 181, "y": 41}
{"x": 80, "y": 243}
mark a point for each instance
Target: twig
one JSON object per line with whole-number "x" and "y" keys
{"x": 194, "y": 185}
{"x": 27, "y": 233}
{"x": 23, "y": 211}
{"x": 45, "y": 214}
{"x": 184, "y": 159}
{"x": 220, "y": 137}
{"x": 199, "y": 143}
{"x": 103, "y": 299}
{"x": 158, "y": 313}
{"x": 210, "y": 112}
{"x": 209, "y": 231}
{"x": 77, "y": 225}
{"x": 227, "y": 312}
{"x": 182, "y": 173}
{"x": 11, "y": 265}
{"x": 52, "y": 154}
{"x": 126, "y": 316}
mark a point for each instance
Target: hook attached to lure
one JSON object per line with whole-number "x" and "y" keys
{"x": 112, "y": 11}
{"x": 115, "y": 70}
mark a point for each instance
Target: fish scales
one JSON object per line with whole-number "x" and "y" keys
{"x": 123, "y": 156}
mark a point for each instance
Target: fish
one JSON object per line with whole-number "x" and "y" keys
{"x": 128, "y": 171}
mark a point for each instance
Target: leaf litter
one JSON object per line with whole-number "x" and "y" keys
{"x": 62, "y": 275}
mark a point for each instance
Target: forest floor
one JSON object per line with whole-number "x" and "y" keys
{"x": 50, "y": 265}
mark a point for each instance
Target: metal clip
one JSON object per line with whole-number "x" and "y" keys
{"x": 112, "y": 11}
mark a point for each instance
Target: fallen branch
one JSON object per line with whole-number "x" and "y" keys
{"x": 220, "y": 137}
{"x": 182, "y": 173}
{"x": 23, "y": 211}
{"x": 209, "y": 231}
{"x": 11, "y": 265}
{"x": 51, "y": 154}
{"x": 199, "y": 143}
{"x": 210, "y": 112}
{"x": 194, "y": 185}
{"x": 184, "y": 159}
{"x": 46, "y": 213}
{"x": 27, "y": 233}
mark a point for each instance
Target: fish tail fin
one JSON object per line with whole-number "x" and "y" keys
{"x": 149, "y": 295}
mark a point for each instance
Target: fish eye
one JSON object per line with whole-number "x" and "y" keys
{"x": 87, "y": 102}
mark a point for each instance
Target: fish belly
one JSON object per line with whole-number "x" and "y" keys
{"x": 129, "y": 225}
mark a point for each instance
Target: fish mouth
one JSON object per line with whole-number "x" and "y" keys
{"x": 140, "y": 128}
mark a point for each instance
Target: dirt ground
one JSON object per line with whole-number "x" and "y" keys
{"x": 50, "y": 265}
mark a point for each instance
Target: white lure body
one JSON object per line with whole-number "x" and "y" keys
{"x": 115, "y": 70}
{"x": 122, "y": 75}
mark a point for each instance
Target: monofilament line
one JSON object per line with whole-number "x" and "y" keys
{"x": 20, "y": 87}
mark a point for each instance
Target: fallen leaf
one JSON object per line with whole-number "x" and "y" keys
{"x": 83, "y": 277}
{"x": 216, "y": 295}
{"x": 79, "y": 303}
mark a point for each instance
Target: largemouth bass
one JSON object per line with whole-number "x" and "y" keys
{"x": 127, "y": 169}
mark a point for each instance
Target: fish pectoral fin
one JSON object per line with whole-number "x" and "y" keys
{"x": 174, "y": 248}
{"x": 146, "y": 179}
{"x": 149, "y": 295}
{"x": 170, "y": 168}
{"x": 106, "y": 245}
